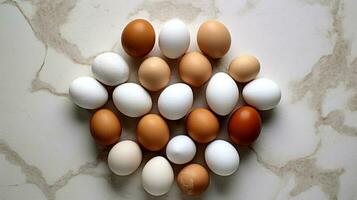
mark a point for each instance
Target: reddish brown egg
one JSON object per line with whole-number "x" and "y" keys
{"x": 244, "y": 125}
{"x": 105, "y": 127}
{"x": 138, "y": 38}
{"x": 193, "y": 179}
{"x": 152, "y": 132}
{"x": 202, "y": 125}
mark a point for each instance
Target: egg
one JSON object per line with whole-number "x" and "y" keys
{"x": 180, "y": 149}
{"x": 195, "y": 69}
{"x": 157, "y": 176}
{"x": 222, "y": 93}
{"x": 193, "y": 180}
{"x": 154, "y": 74}
{"x": 174, "y": 38}
{"x": 202, "y": 125}
{"x": 244, "y": 68}
{"x": 124, "y": 158}
{"x": 244, "y": 126}
{"x": 175, "y": 101}
{"x": 262, "y": 93}
{"x": 132, "y": 100}
{"x": 152, "y": 132}
{"x": 214, "y": 39}
{"x": 222, "y": 158}
{"x": 105, "y": 127}
{"x": 86, "y": 92}
{"x": 110, "y": 69}
{"x": 138, "y": 38}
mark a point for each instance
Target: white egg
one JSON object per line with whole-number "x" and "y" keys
{"x": 132, "y": 100}
{"x": 110, "y": 69}
{"x": 175, "y": 101}
{"x": 222, "y": 93}
{"x": 124, "y": 158}
{"x": 88, "y": 93}
{"x": 174, "y": 38}
{"x": 262, "y": 93}
{"x": 222, "y": 158}
{"x": 180, "y": 149}
{"x": 157, "y": 176}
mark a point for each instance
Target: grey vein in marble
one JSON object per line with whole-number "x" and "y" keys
{"x": 328, "y": 73}
{"x": 34, "y": 175}
{"x": 46, "y": 24}
{"x": 173, "y": 9}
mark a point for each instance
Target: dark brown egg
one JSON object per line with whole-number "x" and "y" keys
{"x": 244, "y": 125}
{"x": 105, "y": 127}
{"x": 138, "y": 38}
{"x": 202, "y": 125}
{"x": 193, "y": 179}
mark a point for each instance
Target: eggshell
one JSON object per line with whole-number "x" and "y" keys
{"x": 175, "y": 101}
{"x": 152, "y": 132}
{"x": 222, "y": 158}
{"x": 110, "y": 69}
{"x": 214, "y": 39}
{"x": 262, "y": 93}
{"x": 244, "y": 68}
{"x": 202, "y": 125}
{"x": 124, "y": 158}
{"x": 174, "y": 38}
{"x": 195, "y": 69}
{"x": 193, "y": 180}
{"x": 88, "y": 93}
{"x": 222, "y": 93}
{"x": 244, "y": 125}
{"x": 105, "y": 127}
{"x": 138, "y": 38}
{"x": 132, "y": 100}
{"x": 180, "y": 149}
{"x": 154, "y": 73}
{"x": 157, "y": 176}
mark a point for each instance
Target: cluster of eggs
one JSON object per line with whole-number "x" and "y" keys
{"x": 175, "y": 102}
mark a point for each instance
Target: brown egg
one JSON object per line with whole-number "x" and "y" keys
{"x": 195, "y": 69}
{"x": 105, "y": 127}
{"x": 152, "y": 132}
{"x": 214, "y": 39}
{"x": 154, "y": 73}
{"x": 202, "y": 125}
{"x": 193, "y": 180}
{"x": 244, "y": 68}
{"x": 138, "y": 38}
{"x": 244, "y": 125}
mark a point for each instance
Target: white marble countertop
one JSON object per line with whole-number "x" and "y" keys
{"x": 307, "y": 148}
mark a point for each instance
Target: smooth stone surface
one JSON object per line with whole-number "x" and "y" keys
{"x": 307, "y": 147}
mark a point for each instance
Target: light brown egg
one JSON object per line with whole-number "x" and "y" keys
{"x": 154, "y": 73}
{"x": 152, "y": 132}
{"x": 138, "y": 38}
{"x": 195, "y": 69}
{"x": 193, "y": 180}
{"x": 244, "y": 68}
{"x": 202, "y": 125}
{"x": 105, "y": 127}
{"x": 214, "y": 39}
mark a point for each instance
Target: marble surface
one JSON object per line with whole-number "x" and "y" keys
{"x": 308, "y": 145}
